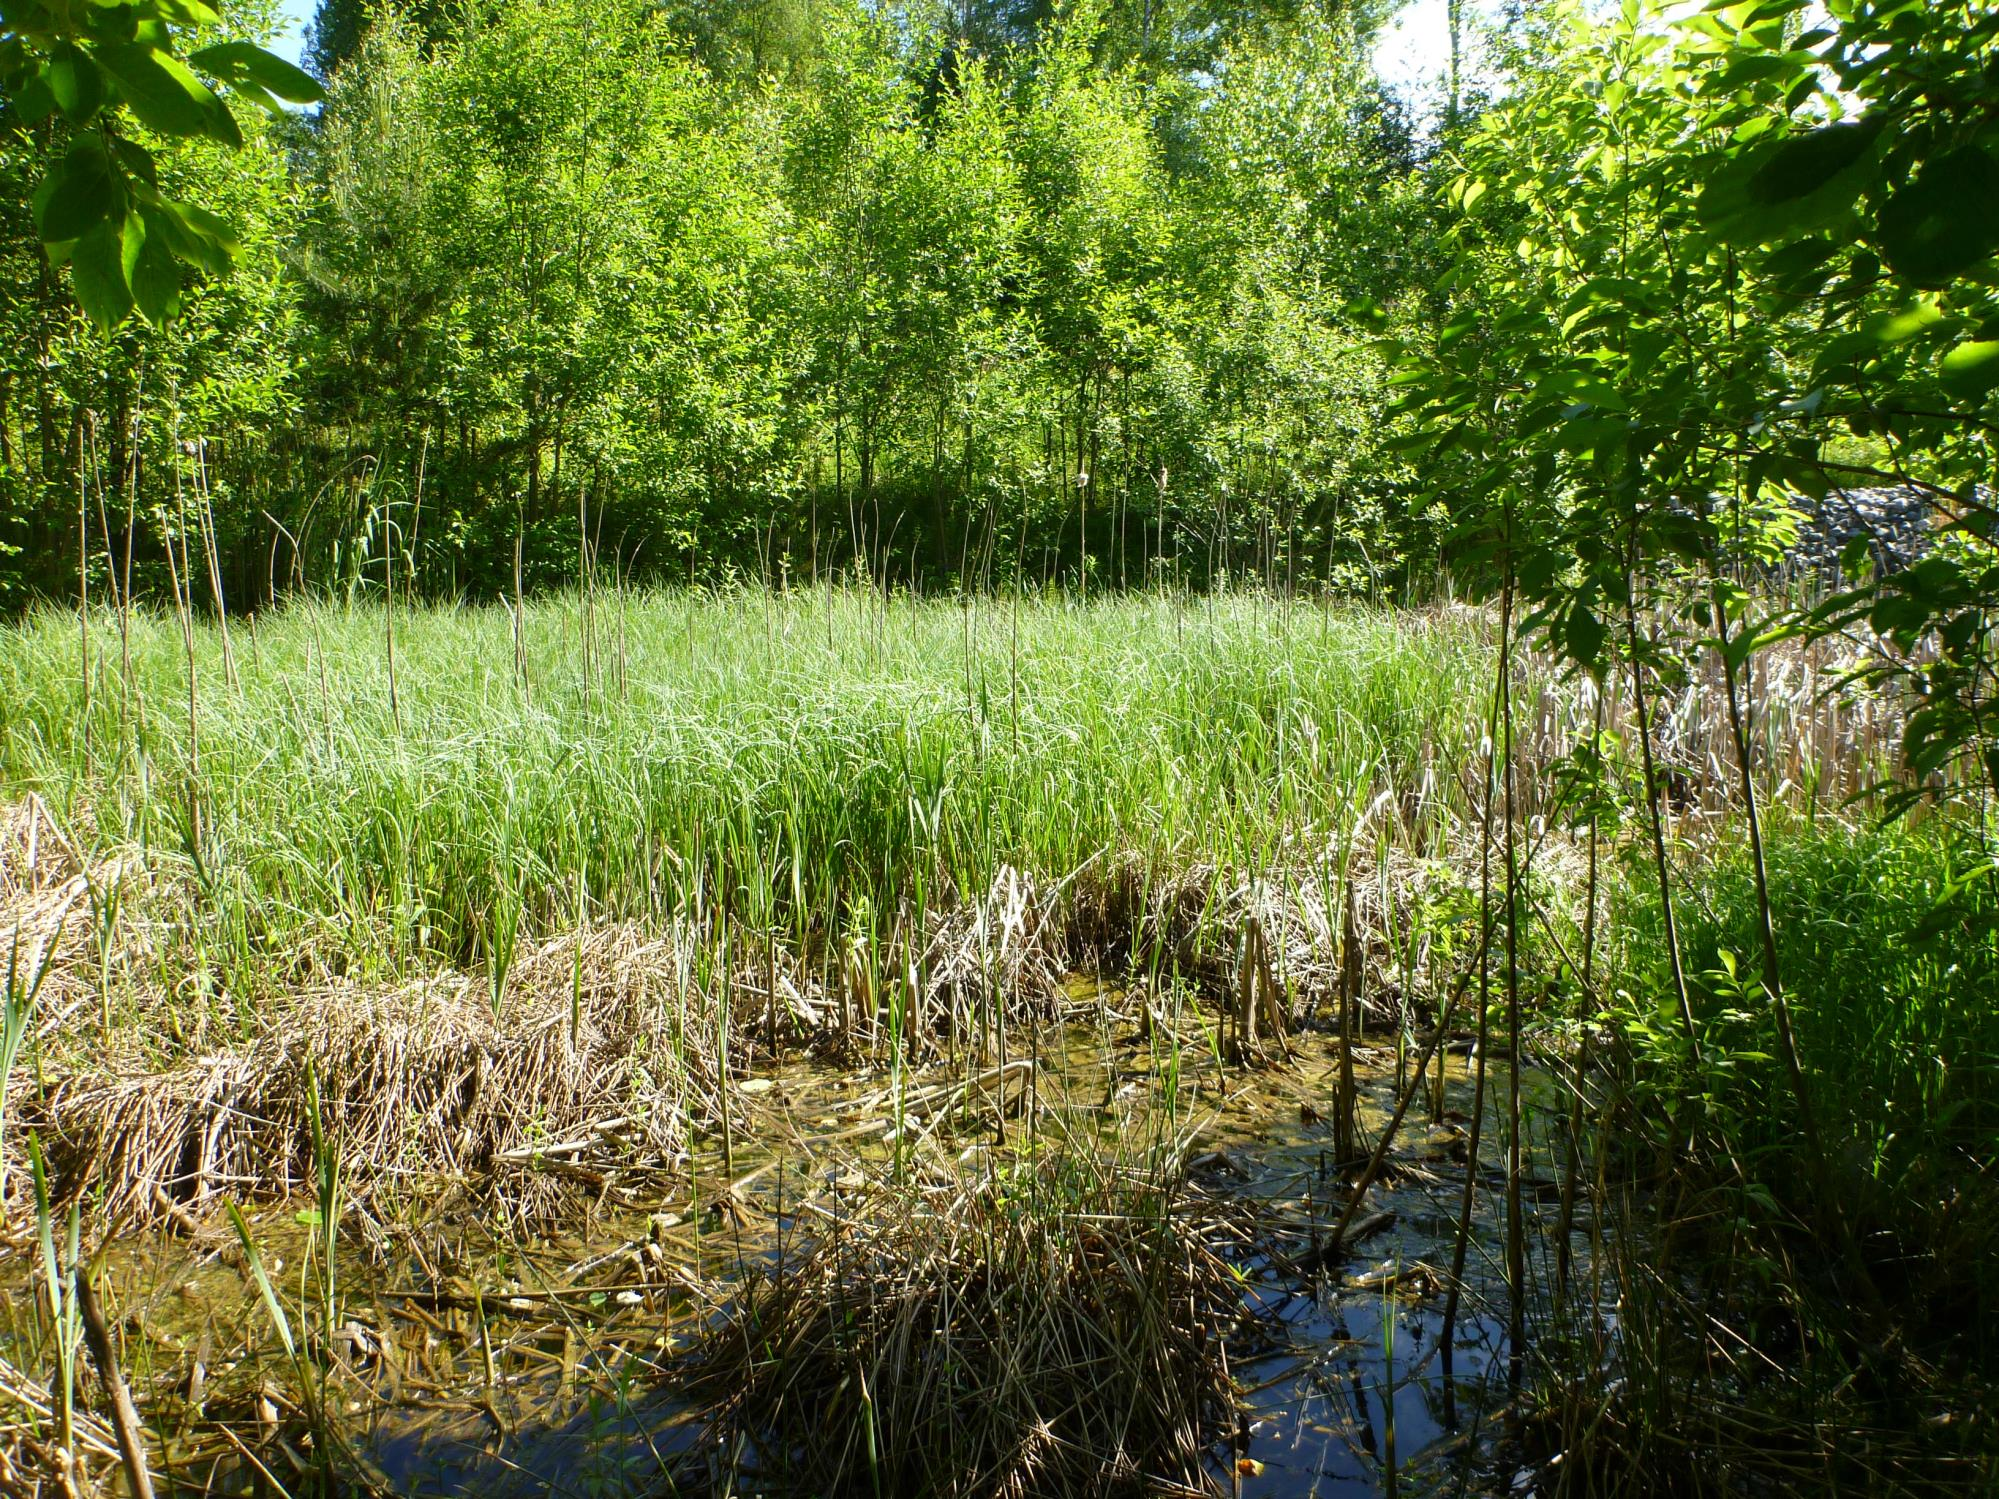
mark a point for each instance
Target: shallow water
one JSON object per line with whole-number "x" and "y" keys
{"x": 535, "y": 1368}
{"x": 1363, "y": 1382}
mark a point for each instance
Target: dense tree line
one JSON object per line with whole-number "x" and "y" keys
{"x": 1000, "y": 292}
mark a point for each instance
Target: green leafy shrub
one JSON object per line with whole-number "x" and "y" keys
{"x": 1886, "y": 938}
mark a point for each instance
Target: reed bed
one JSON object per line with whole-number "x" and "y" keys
{"x": 818, "y": 760}
{"x": 513, "y": 913}
{"x": 494, "y": 897}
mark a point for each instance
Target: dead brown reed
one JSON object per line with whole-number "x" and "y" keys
{"x": 566, "y": 1085}
{"x": 1007, "y": 949}
{"x": 51, "y": 889}
{"x": 1055, "y": 1328}
{"x": 33, "y": 1464}
{"x": 1203, "y": 925}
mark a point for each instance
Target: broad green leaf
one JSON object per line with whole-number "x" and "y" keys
{"x": 198, "y": 238}
{"x": 1585, "y": 635}
{"x": 136, "y": 160}
{"x": 1574, "y": 386}
{"x": 216, "y": 227}
{"x": 1806, "y": 163}
{"x": 1754, "y": 68}
{"x": 1899, "y": 614}
{"x": 240, "y": 62}
{"x": 1945, "y": 221}
{"x": 1971, "y": 369}
{"x": 74, "y": 83}
{"x": 165, "y": 95}
{"x": 1797, "y": 262}
{"x": 1900, "y": 327}
{"x": 1728, "y": 203}
{"x": 34, "y": 103}
{"x": 111, "y": 23}
{"x": 155, "y": 275}
{"x": 79, "y": 194}
{"x": 269, "y": 104}
{"x": 189, "y": 12}
{"x": 99, "y": 271}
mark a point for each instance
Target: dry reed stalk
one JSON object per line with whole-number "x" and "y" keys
{"x": 50, "y": 893}
{"x": 1055, "y": 1331}
{"x": 32, "y": 1464}
{"x": 424, "y": 1082}
{"x": 1202, "y": 916}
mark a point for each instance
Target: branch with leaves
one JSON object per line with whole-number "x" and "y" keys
{"x": 94, "y": 71}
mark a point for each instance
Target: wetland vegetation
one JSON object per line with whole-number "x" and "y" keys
{"x": 927, "y": 1023}
{"x": 833, "y": 749}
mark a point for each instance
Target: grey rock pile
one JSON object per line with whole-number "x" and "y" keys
{"x": 1894, "y": 521}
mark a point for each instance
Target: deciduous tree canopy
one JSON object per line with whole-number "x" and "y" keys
{"x": 967, "y": 295}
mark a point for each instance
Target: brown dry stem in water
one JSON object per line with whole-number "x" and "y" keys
{"x": 1053, "y": 1329}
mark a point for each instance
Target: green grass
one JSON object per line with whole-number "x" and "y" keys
{"x": 803, "y": 761}
{"x": 1888, "y": 947}
{"x": 1824, "y": 1320}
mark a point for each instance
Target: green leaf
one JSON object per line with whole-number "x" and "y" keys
{"x": 136, "y": 160}
{"x": 174, "y": 226}
{"x": 1971, "y": 369}
{"x": 1805, "y": 163}
{"x": 240, "y": 63}
{"x": 155, "y": 274}
{"x": 33, "y": 102}
{"x": 1573, "y": 386}
{"x": 79, "y": 194}
{"x": 188, "y": 12}
{"x": 211, "y": 242}
{"x": 1945, "y": 221}
{"x": 1754, "y": 68}
{"x": 204, "y": 222}
{"x": 1899, "y": 614}
{"x": 271, "y": 106}
{"x": 74, "y": 82}
{"x": 1585, "y": 635}
{"x": 274, "y": 1307}
{"x": 1735, "y": 197}
{"x": 110, "y": 23}
{"x": 165, "y": 95}
{"x": 1800, "y": 262}
{"x": 1899, "y": 327}
{"x": 100, "y": 272}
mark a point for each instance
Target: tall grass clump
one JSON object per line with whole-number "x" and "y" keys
{"x": 1781, "y": 1322}
{"x": 1055, "y": 1327}
{"x": 1888, "y": 941}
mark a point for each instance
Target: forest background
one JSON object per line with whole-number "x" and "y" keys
{"x": 936, "y": 295}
